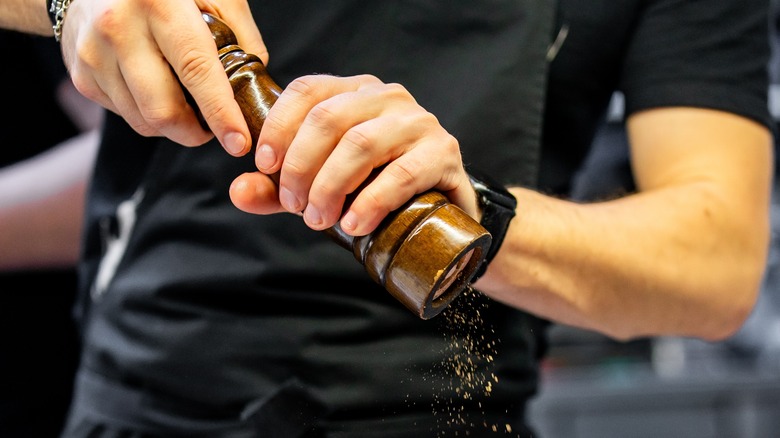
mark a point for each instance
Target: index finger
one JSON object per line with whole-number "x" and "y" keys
{"x": 187, "y": 44}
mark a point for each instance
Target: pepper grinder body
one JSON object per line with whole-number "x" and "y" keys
{"x": 424, "y": 254}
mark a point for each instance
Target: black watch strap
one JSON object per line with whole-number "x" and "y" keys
{"x": 498, "y": 208}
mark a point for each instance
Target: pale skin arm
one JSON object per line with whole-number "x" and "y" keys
{"x": 684, "y": 256}
{"x": 27, "y": 16}
{"x": 41, "y": 205}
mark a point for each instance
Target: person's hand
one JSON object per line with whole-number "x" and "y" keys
{"x": 133, "y": 56}
{"x": 329, "y": 137}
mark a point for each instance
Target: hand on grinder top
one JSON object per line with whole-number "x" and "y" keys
{"x": 133, "y": 56}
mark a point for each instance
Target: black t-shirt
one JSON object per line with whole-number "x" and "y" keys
{"x": 210, "y": 312}
{"x": 710, "y": 54}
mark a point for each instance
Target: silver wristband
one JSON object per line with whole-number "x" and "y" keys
{"x": 57, "y": 10}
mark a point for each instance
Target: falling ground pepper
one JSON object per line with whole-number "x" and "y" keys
{"x": 466, "y": 369}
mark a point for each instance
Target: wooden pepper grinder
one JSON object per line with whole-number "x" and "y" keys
{"x": 424, "y": 254}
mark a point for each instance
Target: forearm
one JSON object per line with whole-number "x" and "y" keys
{"x": 647, "y": 264}
{"x": 41, "y": 206}
{"x": 27, "y": 16}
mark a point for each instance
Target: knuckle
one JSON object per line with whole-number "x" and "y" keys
{"x": 293, "y": 168}
{"x": 450, "y": 150}
{"x": 451, "y": 145}
{"x": 210, "y": 109}
{"x": 87, "y": 57}
{"x": 159, "y": 117}
{"x": 427, "y": 122}
{"x": 194, "y": 67}
{"x": 108, "y": 25}
{"x": 357, "y": 140}
{"x": 368, "y": 79}
{"x": 142, "y": 128}
{"x": 375, "y": 202}
{"x": 304, "y": 86}
{"x": 403, "y": 172}
{"x": 396, "y": 90}
{"x": 274, "y": 123}
{"x": 397, "y": 93}
{"x": 322, "y": 118}
{"x": 326, "y": 189}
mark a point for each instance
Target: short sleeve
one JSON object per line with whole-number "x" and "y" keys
{"x": 702, "y": 53}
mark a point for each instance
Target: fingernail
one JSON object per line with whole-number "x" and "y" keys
{"x": 312, "y": 215}
{"x": 349, "y": 222}
{"x": 265, "y": 158}
{"x": 289, "y": 201}
{"x": 234, "y": 143}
